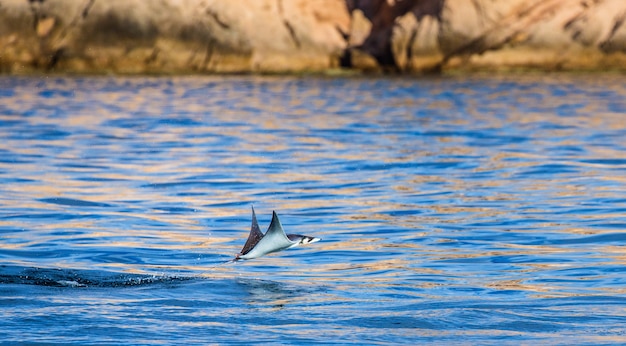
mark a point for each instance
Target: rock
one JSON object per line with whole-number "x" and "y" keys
{"x": 600, "y": 25}
{"x": 397, "y": 36}
{"x": 44, "y": 26}
{"x": 171, "y": 36}
{"x": 360, "y": 29}
{"x": 415, "y": 39}
{"x": 437, "y": 35}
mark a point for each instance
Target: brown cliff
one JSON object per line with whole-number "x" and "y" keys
{"x": 410, "y": 36}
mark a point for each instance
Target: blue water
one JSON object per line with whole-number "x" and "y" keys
{"x": 465, "y": 210}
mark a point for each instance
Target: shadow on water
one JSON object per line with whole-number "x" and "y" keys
{"x": 275, "y": 294}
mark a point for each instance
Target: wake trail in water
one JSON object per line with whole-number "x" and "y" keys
{"x": 74, "y": 278}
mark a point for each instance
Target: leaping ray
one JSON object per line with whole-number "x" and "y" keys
{"x": 274, "y": 239}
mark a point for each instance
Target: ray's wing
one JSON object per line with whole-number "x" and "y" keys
{"x": 254, "y": 237}
{"x": 274, "y": 240}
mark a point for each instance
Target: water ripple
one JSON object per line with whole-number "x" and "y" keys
{"x": 451, "y": 210}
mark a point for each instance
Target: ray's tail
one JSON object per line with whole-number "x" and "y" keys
{"x": 223, "y": 263}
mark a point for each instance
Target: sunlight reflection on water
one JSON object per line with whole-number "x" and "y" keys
{"x": 448, "y": 208}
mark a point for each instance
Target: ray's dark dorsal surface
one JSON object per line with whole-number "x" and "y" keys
{"x": 254, "y": 237}
{"x": 274, "y": 239}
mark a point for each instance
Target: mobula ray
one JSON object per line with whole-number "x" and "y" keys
{"x": 274, "y": 240}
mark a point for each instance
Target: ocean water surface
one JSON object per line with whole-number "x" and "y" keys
{"x": 464, "y": 210}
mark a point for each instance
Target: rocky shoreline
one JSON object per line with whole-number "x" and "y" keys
{"x": 295, "y": 36}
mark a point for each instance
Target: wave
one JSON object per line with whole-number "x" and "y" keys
{"x": 80, "y": 278}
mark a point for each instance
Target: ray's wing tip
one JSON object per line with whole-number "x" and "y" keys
{"x": 275, "y": 219}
